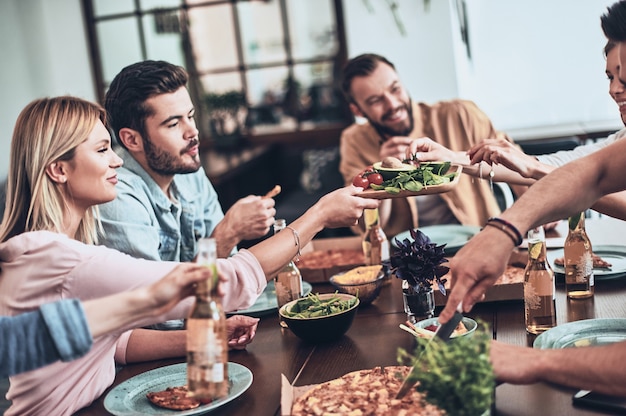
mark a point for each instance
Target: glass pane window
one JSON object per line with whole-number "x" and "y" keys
{"x": 262, "y": 37}
{"x": 269, "y": 96}
{"x": 221, "y": 83}
{"x": 192, "y": 2}
{"x": 159, "y": 4}
{"x": 108, "y": 7}
{"x": 312, "y": 37}
{"x": 163, "y": 38}
{"x": 276, "y": 60}
{"x": 318, "y": 98}
{"x": 213, "y": 37}
{"x": 225, "y": 103}
{"x": 120, "y": 45}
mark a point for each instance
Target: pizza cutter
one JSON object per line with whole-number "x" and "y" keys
{"x": 443, "y": 332}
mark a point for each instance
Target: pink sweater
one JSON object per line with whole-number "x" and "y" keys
{"x": 41, "y": 267}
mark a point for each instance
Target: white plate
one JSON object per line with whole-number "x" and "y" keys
{"x": 583, "y": 333}
{"x": 266, "y": 303}
{"x": 129, "y": 398}
{"x": 452, "y": 235}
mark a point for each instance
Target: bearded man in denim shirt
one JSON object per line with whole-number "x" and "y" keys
{"x": 165, "y": 202}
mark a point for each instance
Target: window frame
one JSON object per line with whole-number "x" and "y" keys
{"x": 299, "y": 134}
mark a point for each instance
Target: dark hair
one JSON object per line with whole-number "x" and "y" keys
{"x": 610, "y": 45}
{"x": 614, "y": 22}
{"x": 360, "y": 66}
{"x": 125, "y": 100}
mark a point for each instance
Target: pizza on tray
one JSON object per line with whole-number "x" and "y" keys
{"x": 364, "y": 393}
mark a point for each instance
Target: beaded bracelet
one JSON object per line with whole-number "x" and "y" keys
{"x": 296, "y": 239}
{"x": 504, "y": 226}
{"x": 503, "y": 229}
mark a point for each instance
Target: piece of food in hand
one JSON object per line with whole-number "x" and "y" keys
{"x": 598, "y": 262}
{"x": 273, "y": 192}
{"x": 364, "y": 392}
{"x": 174, "y": 398}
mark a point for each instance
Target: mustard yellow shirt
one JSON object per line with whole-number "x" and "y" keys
{"x": 457, "y": 125}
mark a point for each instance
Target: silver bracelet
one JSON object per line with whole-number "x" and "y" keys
{"x": 296, "y": 240}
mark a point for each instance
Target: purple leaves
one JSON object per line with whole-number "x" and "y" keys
{"x": 419, "y": 262}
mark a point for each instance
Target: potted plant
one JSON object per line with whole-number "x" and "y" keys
{"x": 419, "y": 264}
{"x": 226, "y": 114}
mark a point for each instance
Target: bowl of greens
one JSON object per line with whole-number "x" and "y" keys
{"x": 318, "y": 318}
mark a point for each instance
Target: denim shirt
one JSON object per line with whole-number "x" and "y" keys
{"x": 31, "y": 340}
{"x": 143, "y": 222}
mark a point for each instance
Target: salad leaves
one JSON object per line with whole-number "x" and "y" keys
{"x": 457, "y": 376}
{"x": 417, "y": 179}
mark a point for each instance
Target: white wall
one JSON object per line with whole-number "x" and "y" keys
{"x": 534, "y": 63}
{"x": 423, "y": 58}
{"x": 44, "y": 52}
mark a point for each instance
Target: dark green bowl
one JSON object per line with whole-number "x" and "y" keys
{"x": 322, "y": 328}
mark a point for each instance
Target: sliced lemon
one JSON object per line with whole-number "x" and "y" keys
{"x": 535, "y": 250}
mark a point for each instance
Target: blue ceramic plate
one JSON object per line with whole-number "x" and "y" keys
{"x": 583, "y": 333}
{"x": 266, "y": 303}
{"x": 616, "y": 255}
{"x": 129, "y": 397}
{"x": 452, "y": 235}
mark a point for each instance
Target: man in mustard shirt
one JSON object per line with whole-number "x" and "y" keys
{"x": 374, "y": 91}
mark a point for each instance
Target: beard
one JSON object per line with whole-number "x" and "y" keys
{"x": 165, "y": 163}
{"x": 386, "y": 131}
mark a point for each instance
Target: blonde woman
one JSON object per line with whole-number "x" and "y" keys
{"x": 61, "y": 167}
{"x": 64, "y": 330}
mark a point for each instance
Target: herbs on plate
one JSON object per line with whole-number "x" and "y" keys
{"x": 456, "y": 376}
{"x": 415, "y": 180}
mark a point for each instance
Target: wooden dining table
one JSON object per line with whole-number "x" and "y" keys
{"x": 374, "y": 338}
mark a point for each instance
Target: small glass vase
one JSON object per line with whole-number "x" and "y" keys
{"x": 417, "y": 305}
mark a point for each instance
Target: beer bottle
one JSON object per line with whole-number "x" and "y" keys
{"x": 375, "y": 243}
{"x": 207, "y": 344}
{"x": 579, "y": 280}
{"x": 539, "y": 293}
{"x": 288, "y": 281}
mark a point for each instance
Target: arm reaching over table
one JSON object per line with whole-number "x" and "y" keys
{"x": 580, "y": 184}
{"x": 600, "y": 369}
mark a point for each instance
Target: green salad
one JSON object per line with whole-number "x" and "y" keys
{"x": 312, "y": 306}
{"x": 415, "y": 180}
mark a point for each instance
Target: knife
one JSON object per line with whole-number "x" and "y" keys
{"x": 443, "y": 332}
